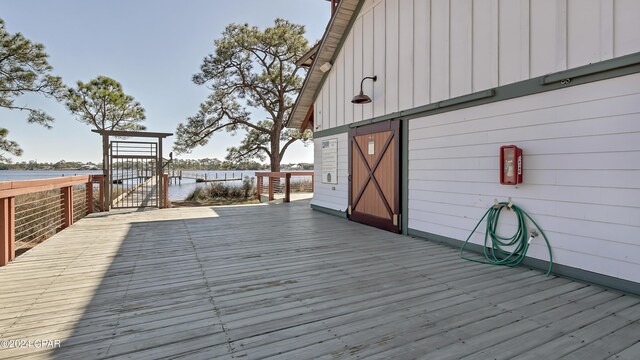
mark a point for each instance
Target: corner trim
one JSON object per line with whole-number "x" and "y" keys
{"x": 573, "y": 273}
{"x": 326, "y": 210}
{"x": 404, "y": 176}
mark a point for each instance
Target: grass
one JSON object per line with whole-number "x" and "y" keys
{"x": 221, "y": 194}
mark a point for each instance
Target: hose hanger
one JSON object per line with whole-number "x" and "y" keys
{"x": 502, "y": 250}
{"x": 498, "y": 204}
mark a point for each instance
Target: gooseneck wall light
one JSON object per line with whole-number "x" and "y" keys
{"x": 362, "y": 98}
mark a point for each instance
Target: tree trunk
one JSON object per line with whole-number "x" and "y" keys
{"x": 275, "y": 147}
{"x": 275, "y": 161}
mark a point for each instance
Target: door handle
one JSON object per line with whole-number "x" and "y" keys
{"x": 349, "y": 177}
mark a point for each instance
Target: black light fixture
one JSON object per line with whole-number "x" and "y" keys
{"x": 362, "y": 98}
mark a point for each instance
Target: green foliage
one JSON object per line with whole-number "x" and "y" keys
{"x": 215, "y": 164}
{"x": 102, "y": 103}
{"x": 221, "y": 191}
{"x": 251, "y": 69}
{"x": 24, "y": 69}
{"x": 248, "y": 185}
{"x": 59, "y": 165}
{"x": 8, "y": 145}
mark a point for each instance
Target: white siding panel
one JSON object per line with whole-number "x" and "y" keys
{"x": 461, "y": 48}
{"x": 392, "y": 56}
{"x": 606, "y": 29}
{"x": 332, "y": 196}
{"x": 440, "y": 50}
{"x": 333, "y": 104}
{"x": 406, "y": 49}
{"x": 349, "y": 91}
{"x": 318, "y": 116}
{"x": 367, "y": 61}
{"x": 357, "y": 65}
{"x": 627, "y": 27}
{"x": 422, "y": 52}
{"x": 548, "y": 36}
{"x": 379, "y": 64}
{"x": 340, "y": 95}
{"x": 326, "y": 107}
{"x": 485, "y": 45}
{"x": 514, "y": 39}
{"x": 581, "y": 171}
{"x": 583, "y": 29}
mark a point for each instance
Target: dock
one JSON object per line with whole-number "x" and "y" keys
{"x": 141, "y": 195}
{"x": 176, "y": 176}
{"x": 225, "y": 283}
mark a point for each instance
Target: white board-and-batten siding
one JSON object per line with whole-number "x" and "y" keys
{"x": 424, "y": 51}
{"x": 581, "y": 172}
{"x": 332, "y": 196}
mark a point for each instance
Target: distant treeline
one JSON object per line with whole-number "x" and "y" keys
{"x": 60, "y": 165}
{"x": 177, "y": 164}
{"x": 217, "y": 164}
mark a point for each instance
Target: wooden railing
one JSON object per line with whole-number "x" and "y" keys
{"x": 274, "y": 183}
{"x": 33, "y": 210}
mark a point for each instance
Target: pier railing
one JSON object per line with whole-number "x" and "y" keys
{"x": 284, "y": 183}
{"x": 176, "y": 176}
{"x": 33, "y": 210}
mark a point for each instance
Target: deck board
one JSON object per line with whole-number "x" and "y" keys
{"x": 283, "y": 281}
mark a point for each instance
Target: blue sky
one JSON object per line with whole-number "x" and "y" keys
{"x": 152, "y": 47}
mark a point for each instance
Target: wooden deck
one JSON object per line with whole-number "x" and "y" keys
{"x": 286, "y": 282}
{"x": 142, "y": 195}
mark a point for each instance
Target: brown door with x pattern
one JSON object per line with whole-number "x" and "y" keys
{"x": 374, "y": 175}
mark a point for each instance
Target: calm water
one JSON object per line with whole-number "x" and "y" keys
{"x": 176, "y": 191}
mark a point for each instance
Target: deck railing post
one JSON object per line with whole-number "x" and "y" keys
{"x": 101, "y": 190}
{"x": 67, "y": 206}
{"x": 89, "y": 192}
{"x": 166, "y": 190}
{"x": 287, "y": 187}
{"x": 271, "y": 187}
{"x": 7, "y": 230}
{"x": 259, "y": 186}
{"x": 313, "y": 182}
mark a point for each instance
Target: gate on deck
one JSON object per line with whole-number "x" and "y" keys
{"x": 133, "y": 170}
{"x": 133, "y": 176}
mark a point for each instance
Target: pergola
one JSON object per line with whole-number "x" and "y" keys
{"x": 156, "y": 156}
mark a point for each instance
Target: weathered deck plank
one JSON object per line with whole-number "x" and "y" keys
{"x": 240, "y": 282}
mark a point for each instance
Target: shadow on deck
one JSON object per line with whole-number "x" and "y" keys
{"x": 287, "y": 282}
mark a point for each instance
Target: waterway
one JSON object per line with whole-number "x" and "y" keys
{"x": 176, "y": 191}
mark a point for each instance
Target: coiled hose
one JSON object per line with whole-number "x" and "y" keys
{"x": 497, "y": 254}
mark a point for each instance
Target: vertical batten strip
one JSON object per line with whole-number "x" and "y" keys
{"x": 561, "y": 35}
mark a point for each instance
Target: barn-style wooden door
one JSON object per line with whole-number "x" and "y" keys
{"x": 374, "y": 175}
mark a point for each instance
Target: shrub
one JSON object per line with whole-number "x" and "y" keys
{"x": 220, "y": 190}
{"x": 248, "y": 185}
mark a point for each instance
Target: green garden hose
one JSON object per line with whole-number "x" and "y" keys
{"x": 497, "y": 254}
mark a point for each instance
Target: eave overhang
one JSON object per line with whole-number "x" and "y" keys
{"x": 333, "y": 38}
